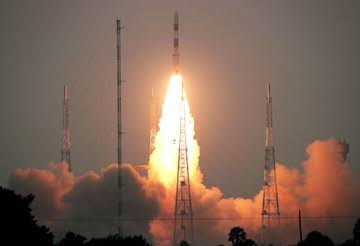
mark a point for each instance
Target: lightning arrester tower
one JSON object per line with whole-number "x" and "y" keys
{"x": 153, "y": 128}
{"x": 183, "y": 215}
{"x": 65, "y": 151}
{"x": 270, "y": 205}
{"x": 119, "y": 128}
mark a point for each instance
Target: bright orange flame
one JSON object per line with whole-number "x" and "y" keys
{"x": 164, "y": 159}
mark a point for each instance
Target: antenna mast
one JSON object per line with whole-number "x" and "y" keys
{"x": 119, "y": 127}
{"x": 65, "y": 151}
{"x": 270, "y": 205}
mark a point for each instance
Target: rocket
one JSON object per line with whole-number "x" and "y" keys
{"x": 176, "y": 56}
{"x": 268, "y": 93}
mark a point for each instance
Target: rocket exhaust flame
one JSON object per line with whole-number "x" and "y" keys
{"x": 163, "y": 160}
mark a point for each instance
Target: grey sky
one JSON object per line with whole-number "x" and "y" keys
{"x": 308, "y": 50}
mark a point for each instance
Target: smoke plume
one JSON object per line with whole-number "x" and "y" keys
{"x": 325, "y": 187}
{"x": 88, "y": 204}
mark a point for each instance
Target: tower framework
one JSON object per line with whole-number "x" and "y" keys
{"x": 65, "y": 151}
{"x": 119, "y": 128}
{"x": 183, "y": 223}
{"x": 183, "y": 215}
{"x": 270, "y": 205}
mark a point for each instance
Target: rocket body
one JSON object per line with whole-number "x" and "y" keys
{"x": 269, "y": 123}
{"x": 176, "y": 55}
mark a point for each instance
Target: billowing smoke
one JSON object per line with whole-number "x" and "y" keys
{"x": 49, "y": 186}
{"x": 324, "y": 188}
{"x": 88, "y": 204}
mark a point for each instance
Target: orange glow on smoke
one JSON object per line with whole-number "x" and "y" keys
{"x": 163, "y": 160}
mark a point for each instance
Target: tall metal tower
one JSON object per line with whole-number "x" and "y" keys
{"x": 153, "y": 127}
{"x": 119, "y": 128}
{"x": 183, "y": 216}
{"x": 65, "y": 151}
{"x": 270, "y": 205}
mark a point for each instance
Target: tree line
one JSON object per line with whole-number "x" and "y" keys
{"x": 19, "y": 227}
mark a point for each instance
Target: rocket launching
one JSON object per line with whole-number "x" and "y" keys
{"x": 176, "y": 56}
{"x": 170, "y": 210}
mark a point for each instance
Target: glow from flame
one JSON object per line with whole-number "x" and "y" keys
{"x": 164, "y": 159}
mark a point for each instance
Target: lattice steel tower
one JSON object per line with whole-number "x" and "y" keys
{"x": 65, "y": 151}
{"x": 183, "y": 216}
{"x": 119, "y": 128}
{"x": 270, "y": 205}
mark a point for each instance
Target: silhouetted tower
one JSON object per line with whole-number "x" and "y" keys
{"x": 119, "y": 128}
{"x": 183, "y": 216}
{"x": 343, "y": 148}
{"x": 153, "y": 127}
{"x": 270, "y": 205}
{"x": 65, "y": 151}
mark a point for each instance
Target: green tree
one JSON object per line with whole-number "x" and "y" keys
{"x": 237, "y": 236}
{"x": 72, "y": 239}
{"x": 184, "y": 243}
{"x": 355, "y": 241}
{"x": 316, "y": 238}
{"x": 116, "y": 240}
{"x": 349, "y": 242}
{"x": 17, "y": 223}
{"x": 356, "y": 232}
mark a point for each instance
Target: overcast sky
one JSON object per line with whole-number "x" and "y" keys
{"x": 308, "y": 50}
